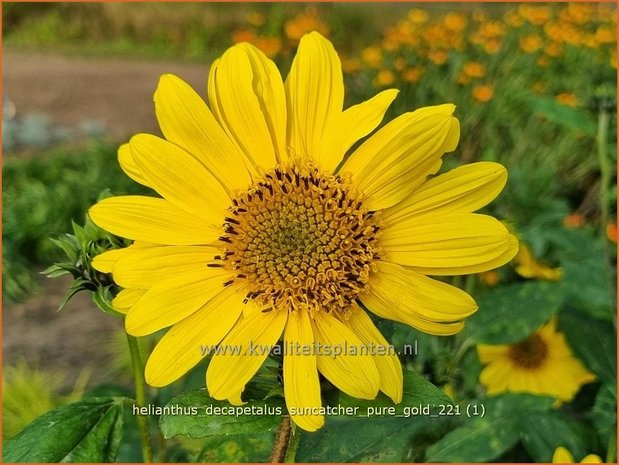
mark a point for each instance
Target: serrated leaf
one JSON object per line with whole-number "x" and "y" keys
{"x": 233, "y": 420}
{"x": 86, "y": 431}
{"x": 510, "y": 313}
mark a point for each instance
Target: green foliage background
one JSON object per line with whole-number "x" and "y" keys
{"x": 552, "y": 151}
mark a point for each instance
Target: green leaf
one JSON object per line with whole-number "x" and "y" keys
{"x": 102, "y": 297}
{"x": 604, "y": 412}
{"x": 563, "y": 115}
{"x": 588, "y": 281}
{"x": 86, "y": 431}
{"x": 480, "y": 440}
{"x": 510, "y": 313}
{"x": 485, "y": 438}
{"x": 593, "y": 341}
{"x": 381, "y": 438}
{"x": 542, "y": 433}
{"x": 215, "y": 418}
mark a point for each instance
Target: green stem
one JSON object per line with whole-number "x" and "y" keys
{"x": 605, "y": 175}
{"x": 602, "y": 144}
{"x": 293, "y": 443}
{"x": 142, "y": 420}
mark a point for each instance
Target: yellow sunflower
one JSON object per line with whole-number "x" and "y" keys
{"x": 266, "y": 231}
{"x": 562, "y": 455}
{"x": 540, "y": 364}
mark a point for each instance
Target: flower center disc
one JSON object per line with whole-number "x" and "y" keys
{"x": 529, "y": 353}
{"x": 300, "y": 239}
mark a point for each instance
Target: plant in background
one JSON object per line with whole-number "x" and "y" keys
{"x": 540, "y": 364}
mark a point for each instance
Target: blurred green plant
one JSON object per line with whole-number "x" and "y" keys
{"x": 28, "y": 392}
{"x": 41, "y": 197}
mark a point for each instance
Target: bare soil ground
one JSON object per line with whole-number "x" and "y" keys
{"x": 71, "y": 90}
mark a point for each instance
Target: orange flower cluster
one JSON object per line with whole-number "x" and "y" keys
{"x": 273, "y": 45}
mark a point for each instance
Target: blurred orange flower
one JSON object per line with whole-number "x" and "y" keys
{"x": 489, "y": 278}
{"x": 438, "y": 57}
{"x": 567, "y": 98}
{"x": 474, "y": 69}
{"x": 483, "y": 93}
{"x": 384, "y": 77}
{"x": 531, "y": 43}
{"x": 418, "y": 16}
{"x": 455, "y": 22}
{"x": 574, "y": 221}
{"x": 611, "y": 232}
{"x": 412, "y": 74}
{"x": 243, "y": 35}
{"x": 304, "y": 23}
{"x": 372, "y": 56}
{"x": 271, "y": 46}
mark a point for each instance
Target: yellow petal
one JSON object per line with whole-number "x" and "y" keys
{"x": 174, "y": 299}
{"x": 397, "y": 159}
{"x": 253, "y": 337}
{"x": 126, "y": 162}
{"x": 301, "y": 383}
{"x": 403, "y": 295}
{"x": 353, "y": 124}
{"x": 387, "y": 362}
{"x": 411, "y": 292}
{"x": 179, "y": 178}
{"x": 126, "y": 299}
{"x": 190, "y": 340}
{"x": 236, "y": 398}
{"x": 315, "y": 94}
{"x": 341, "y": 360}
{"x": 464, "y": 190}
{"x": 451, "y": 244}
{"x": 105, "y": 262}
{"x": 247, "y": 95}
{"x": 592, "y": 458}
{"x": 562, "y": 455}
{"x": 144, "y": 267}
{"x": 154, "y": 220}
{"x": 489, "y": 353}
{"x": 186, "y": 121}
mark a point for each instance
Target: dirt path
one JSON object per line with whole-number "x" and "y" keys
{"x": 67, "y": 341}
{"x": 117, "y": 93}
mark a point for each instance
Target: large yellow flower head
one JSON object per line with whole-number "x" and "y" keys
{"x": 267, "y": 229}
{"x": 541, "y": 364}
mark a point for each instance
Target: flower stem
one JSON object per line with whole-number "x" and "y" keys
{"x": 293, "y": 444}
{"x": 138, "y": 375}
{"x": 286, "y": 442}
{"x": 602, "y": 144}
